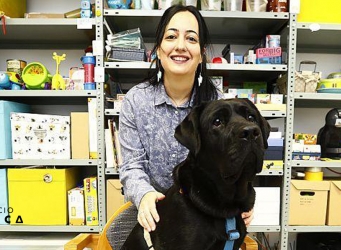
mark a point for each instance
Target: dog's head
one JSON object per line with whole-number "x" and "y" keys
{"x": 229, "y": 133}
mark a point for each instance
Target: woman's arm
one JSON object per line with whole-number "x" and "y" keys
{"x": 135, "y": 181}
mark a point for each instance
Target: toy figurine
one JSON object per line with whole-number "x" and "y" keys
{"x": 57, "y": 80}
{"x": 10, "y": 80}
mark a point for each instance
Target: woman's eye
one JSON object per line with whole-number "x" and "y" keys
{"x": 217, "y": 122}
{"x": 170, "y": 37}
{"x": 192, "y": 39}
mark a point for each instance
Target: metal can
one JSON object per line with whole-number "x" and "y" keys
{"x": 15, "y": 65}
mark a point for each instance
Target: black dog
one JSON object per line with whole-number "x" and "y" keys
{"x": 226, "y": 141}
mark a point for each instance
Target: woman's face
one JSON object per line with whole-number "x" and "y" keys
{"x": 179, "y": 51}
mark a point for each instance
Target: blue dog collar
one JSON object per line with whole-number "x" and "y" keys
{"x": 232, "y": 233}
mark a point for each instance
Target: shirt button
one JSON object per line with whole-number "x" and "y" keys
{"x": 173, "y": 155}
{"x": 176, "y": 112}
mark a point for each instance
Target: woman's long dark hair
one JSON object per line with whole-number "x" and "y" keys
{"x": 207, "y": 90}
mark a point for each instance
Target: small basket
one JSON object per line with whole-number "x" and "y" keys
{"x": 305, "y": 81}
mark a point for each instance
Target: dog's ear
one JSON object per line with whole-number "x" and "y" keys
{"x": 264, "y": 125}
{"x": 187, "y": 132}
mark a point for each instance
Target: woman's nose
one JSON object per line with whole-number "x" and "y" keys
{"x": 181, "y": 45}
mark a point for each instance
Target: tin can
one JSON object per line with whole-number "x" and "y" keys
{"x": 15, "y": 65}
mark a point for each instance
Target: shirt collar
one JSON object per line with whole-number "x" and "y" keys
{"x": 162, "y": 97}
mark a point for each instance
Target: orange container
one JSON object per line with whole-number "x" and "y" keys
{"x": 320, "y": 11}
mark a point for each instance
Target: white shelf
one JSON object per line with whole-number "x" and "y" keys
{"x": 28, "y": 228}
{"x": 269, "y": 114}
{"x": 48, "y": 162}
{"x": 322, "y": 164}
{"x": 43, "y": 33}
{"x": 313, "y": 228}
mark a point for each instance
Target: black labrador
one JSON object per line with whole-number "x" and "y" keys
{"x": 226, "y": 141}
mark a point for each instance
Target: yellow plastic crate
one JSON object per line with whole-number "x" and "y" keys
{"x": 13, "y": 8}
{"x": 39, "y": 196}
{"x": 320, "y": 11}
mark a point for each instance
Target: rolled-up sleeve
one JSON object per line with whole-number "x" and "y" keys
{"x": 132, "y": 171}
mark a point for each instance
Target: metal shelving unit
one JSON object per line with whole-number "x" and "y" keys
{"x": 307, "y": 41}
{"x": 66, "y": 34}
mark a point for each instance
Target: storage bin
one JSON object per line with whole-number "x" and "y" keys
{"x": 39, "y": 195}
{"x": 36, "y": 136}
{"x": 319, "y": 11}
{"x": 6, "y": 107}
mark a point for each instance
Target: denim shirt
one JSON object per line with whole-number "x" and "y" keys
{"x": 146, "y": 132}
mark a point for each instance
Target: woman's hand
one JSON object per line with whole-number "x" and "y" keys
{"x": 147, "y": 214}
{"x": 247, "y": 217}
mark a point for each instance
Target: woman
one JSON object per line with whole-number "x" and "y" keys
{"x": 152, "y": 110}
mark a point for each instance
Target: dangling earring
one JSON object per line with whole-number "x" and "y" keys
{"x": 199, "y": 79}
{"x": 159, "y": 75}
{"x": 200, "y": 76}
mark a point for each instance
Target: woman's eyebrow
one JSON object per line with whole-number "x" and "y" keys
{"x": 187, "y": 31}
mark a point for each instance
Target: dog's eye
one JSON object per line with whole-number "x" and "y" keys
{"x": 251, "y": 118}
{"x": 217, "y": 122}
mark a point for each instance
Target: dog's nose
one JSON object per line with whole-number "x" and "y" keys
{"x": 249, "y": 133}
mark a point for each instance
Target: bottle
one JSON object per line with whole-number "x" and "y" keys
{"x": 89, "y": 71}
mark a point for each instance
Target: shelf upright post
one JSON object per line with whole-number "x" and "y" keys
{"x": 100, "y": 121}
{"x": 289, "y": 124}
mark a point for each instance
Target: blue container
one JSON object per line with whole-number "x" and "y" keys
{"x": 119, "y": 4}
{"x": 6, "y": 107}
{"x": 3, "y": 196}
{"x": 89, "y": 86}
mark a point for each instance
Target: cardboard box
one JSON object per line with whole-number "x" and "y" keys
{"x": 92, "y": 109}
{"x": 334, "y": 204}
{"x": 76, "y": 206}
{"x": 91, "y": 207}
{"x": 115, "y": 198}
{"x": 6, "y": 107}
{"x": 4, "y": 209}
{"x": 80, "y": 135}
{"x": 13, "y": 8}
{"x": 308, "y": 202}
{"x": 36, "y": 136}
{"x": 267, "y": 206}
{"x": 44, "y": 15}
{"x": 38, "y": 196}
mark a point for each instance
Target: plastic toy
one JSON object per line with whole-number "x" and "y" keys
{"x": 57, "y": 80}
{"x": 35, "y": 75}
{"x": 10, "y": 80}
{"x": 86, "y": 9}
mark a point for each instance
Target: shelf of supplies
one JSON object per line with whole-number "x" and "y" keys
{"x": 52, "y": 97}
{"x": 45, "y": 33}
{"x": 128, "y": 71}
{"x": 26, "y": 228}
{"x": 227, "y": 27}
{"x": 322, "y": 164}
{"x": 313, "y": 228}
{"x": 268, "y": 114}
{"x": 48, "y": 162}
{"x": 316, "y": 100}
{"x": 326, "y": 39}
